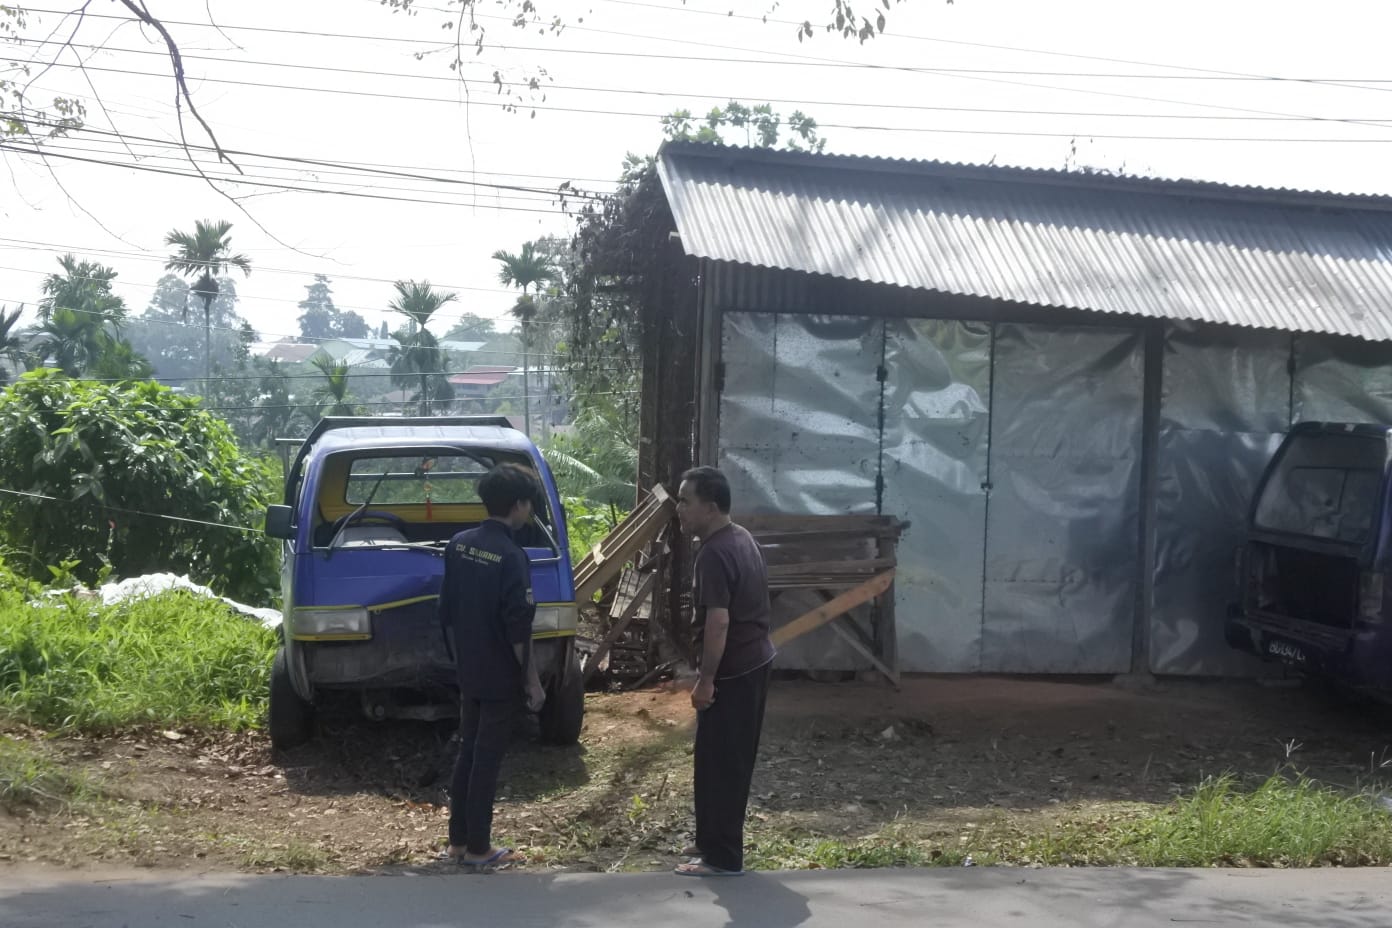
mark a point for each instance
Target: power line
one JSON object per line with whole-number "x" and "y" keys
{"x": 145, "y": 256}
{"x": 859, "y": 104}
{"x": 134, "y": 512}
{"x": 797, "y": 59}
{"x": 399, "y": 403}
{"x": 1206, "y": 73}
{"x": 305, "y": 339}
{"x": 240, "y": 296}
{"x": 41, "y": 152}
{"x": 549, "y": 107}
{"x": 398, "y": 173}
{"x": 329, "y": 185}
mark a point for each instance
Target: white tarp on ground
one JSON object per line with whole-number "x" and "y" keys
{"x": 154, "y": 584}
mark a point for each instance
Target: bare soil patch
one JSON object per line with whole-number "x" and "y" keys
{"x": 940, "y": 761}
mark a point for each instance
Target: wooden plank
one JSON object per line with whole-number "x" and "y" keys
{"x": 842, "y": 604}
{"x": 859, "y": 647}
{"x": 621, "y": 624}
{"x": 622, "y": 544}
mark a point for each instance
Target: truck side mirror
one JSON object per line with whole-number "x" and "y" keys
{"x": 280, "y": 522}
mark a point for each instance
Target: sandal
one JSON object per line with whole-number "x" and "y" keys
{"x": 498, "y": 860}
{"x": 700, "y": 868}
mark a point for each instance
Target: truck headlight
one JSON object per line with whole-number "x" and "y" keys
{"x": 328, "y": 624}
{"x": 554, "y": 619}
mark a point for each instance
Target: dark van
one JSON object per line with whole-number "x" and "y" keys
{"x": 1313, "y": 573}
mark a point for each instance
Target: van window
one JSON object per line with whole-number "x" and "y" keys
{"x": 1325, "y": 486}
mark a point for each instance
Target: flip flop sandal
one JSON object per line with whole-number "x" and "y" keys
{"x": 500, "y": 859}
{"x": 699, "y": 868}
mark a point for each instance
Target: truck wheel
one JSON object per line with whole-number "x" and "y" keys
{"x": 291, "y": 717}
{"x": 564, "y": 710}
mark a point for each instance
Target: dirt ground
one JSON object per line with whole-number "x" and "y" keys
{"x": 847, "y": 761}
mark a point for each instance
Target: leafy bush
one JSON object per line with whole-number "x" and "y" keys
{"x": 586, "y": 525}
{"x": 173, "y": 659}
{"x": 117, "y": 460}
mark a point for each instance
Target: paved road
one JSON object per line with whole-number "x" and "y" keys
{"x": 836, "y": 899}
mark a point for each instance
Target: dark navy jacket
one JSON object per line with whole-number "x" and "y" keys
{"x": 486, "y": 607}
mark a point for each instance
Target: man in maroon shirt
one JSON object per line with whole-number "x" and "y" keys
{"x": 731, "y": 602}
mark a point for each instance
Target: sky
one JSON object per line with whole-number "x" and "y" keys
{"x": 1269, "y": 93}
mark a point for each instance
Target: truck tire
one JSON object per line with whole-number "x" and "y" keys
{"x": 563, "y": 713}
{"x": 291, "y": 718}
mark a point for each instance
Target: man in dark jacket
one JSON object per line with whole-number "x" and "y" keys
{"x": 486, "y": 607}
{"x": 731, "y": 601}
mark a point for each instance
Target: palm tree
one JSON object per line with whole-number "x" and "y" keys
{"x": 598, "y": 461}
{"x": 205, "y": 256}
{"x": 417, "y": 358}
{"x": 527, "y": 270}
{"x": 85, "y": 288}
{"x": 333, "y": 392}
{"x": 11, "y": 345}
{"x": 74, "y": 340}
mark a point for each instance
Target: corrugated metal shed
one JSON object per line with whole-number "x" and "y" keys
{"x": 1274, "y": 259}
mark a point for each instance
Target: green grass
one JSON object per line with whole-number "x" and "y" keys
{"x": 30, "y": 777}
{"x": 174, "y": 659}
{"x": 1285, "y": 821}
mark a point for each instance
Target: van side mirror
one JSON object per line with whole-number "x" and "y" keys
{"x": 280, "y": 521}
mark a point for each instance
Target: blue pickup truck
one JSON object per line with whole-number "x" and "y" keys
{"x": 1314, "y": 590}
{"x": 370, "y": 504}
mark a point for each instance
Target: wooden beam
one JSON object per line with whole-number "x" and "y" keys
{"x": 842, "y": 604}
{"x": 621, "y": 624}
{"x": 621, "y": 545}
{"x": 859, "y": 647}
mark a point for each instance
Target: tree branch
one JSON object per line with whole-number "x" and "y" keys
{"x": 182, "y": 94}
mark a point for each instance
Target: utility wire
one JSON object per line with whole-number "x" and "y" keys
{"x": 633, "y": 91}
{"x": 134, "y": 512}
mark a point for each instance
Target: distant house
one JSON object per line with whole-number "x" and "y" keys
{"x": 285, "y": 351}
{"x": 476, "y": 382}
{"x": 376, "y": 352}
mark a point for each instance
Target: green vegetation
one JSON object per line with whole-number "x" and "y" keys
{"x": 107, "y": 463}
{"x": 175, "y": 659}
{"x": 29, "y": 776}
{"x": 1285, "y": 821}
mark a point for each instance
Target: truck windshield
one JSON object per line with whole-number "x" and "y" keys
{"x": 1325, "y": 486}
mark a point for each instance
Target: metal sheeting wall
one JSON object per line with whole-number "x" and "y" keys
{"x": 1229, "y": 397}
{"x": 1062, "y": 530}
{"x": 1058, "y": 542}
{"x": 1342, "y": 379}
{"x": 936, "y": 430}
{"x": 799, "y": 433}
{"x": 1225, "y": 404}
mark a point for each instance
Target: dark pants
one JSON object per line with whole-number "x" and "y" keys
{"x": 484, "y": 729}
{"x": 727, "y": 742}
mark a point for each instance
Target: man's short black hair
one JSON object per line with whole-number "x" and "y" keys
{"x": 710, "y": 485}
{"x": 504, "y": 487}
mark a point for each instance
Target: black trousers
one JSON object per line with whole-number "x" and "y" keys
{"x": 484, "y": 729}
{"x": 727, "y": 742}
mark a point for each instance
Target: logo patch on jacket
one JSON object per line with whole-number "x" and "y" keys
{"x": 530, "y": 600}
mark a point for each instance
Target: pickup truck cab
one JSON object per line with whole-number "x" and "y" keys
{"x": 1313, "y": 575}
{"x": 370, "y": 504}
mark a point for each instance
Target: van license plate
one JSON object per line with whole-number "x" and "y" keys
{"x": 1285, "y": 651}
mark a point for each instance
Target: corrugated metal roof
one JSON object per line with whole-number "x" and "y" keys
{"x": 1279, "y": 259}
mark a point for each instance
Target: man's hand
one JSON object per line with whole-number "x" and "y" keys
{"x": 536, "y": 696}
{"x": 703, "y": 696}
